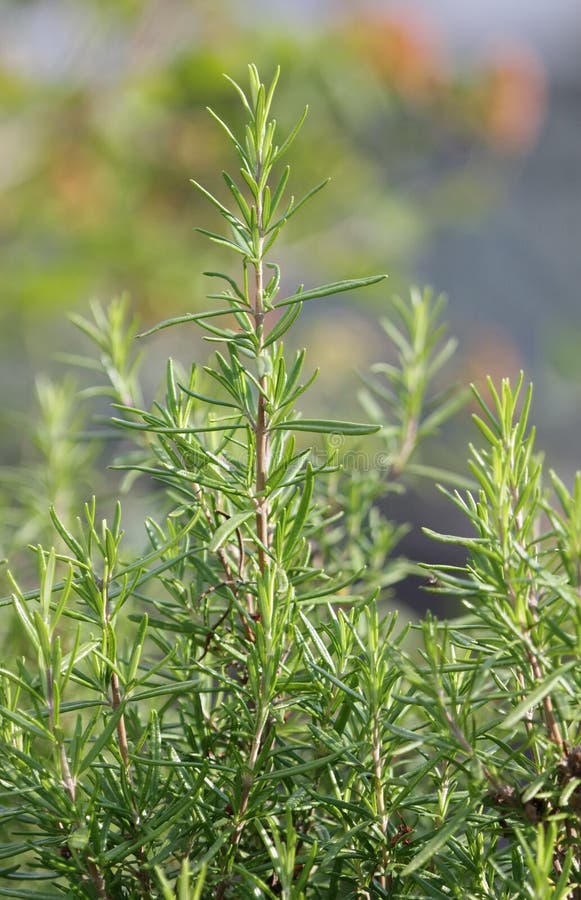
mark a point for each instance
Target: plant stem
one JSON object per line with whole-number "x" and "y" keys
{"x": 495, "y": 783}
{"x": 254, "y": 751}
{"x": 257, "y": 741}
{"x": 97, "y": 879}
{"x": 551, "y": 725}
{"x": 66, "y": 774}
{"x": 123, "y": 744}
{"x": 121, "y": 731}
{"x": 379, "y": 795}
{"x": 70, "y": 786}
{"x": 224, "y": 562}
{"x": 261, "y": 427}
{"x": 408, "y": 445}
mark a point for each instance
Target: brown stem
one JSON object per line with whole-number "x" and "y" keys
{"x": 553, "y": 730}
{"x": 224, "y": 562}
{"x": 468, "y": 749}
{"x": 97, "y": 879}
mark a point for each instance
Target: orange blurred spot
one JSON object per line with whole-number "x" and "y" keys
{"x": 406, "y": 49}
{"x": 79, "y": 187}
{"x": 490, "y": 351}
{"x": 514, "y": 98}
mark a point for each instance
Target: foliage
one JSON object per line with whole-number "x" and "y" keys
{"x": 232, "y": 712}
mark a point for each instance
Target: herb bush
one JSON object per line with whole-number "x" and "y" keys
{"x": 234, "y": 713}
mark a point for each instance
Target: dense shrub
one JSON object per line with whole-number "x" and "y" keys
{"x": 235, "y": 712}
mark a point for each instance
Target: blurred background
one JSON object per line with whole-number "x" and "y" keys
{"x": 451, "y": 130}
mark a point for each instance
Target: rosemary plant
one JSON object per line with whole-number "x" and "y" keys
{"x": 231, "y": 713}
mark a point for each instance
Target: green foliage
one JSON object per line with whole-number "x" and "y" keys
{"x": 56, "y": 468}
{"x": 232, "y": 712}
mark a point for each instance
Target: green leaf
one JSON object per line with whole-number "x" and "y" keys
{"x": 325, "y": 290}
{"x": 440, "y": 475}
{"x": 296, "y": 206}
{"x": 222, "y": 124}
{"x": 278, "y": 192}
{"x": 325, "y": 426}
{"x": 67, "y": 537}
{"x": 229, "y": 281}
{"x": 25, "y": 618}
{"x": 137, "y": 650}
{"x": 325, "y": 674}
{"x": 287, "y": 143}
{"x": 157, "y": 429}
{"x": 215, "y": 202}
{"x": 27, "y": 723}
{"x": 539, "y": 694}
{"x": 271, "y": 91}
{"x": 27, "y": 895}
{"x": 224, "y": 242}
{"x": 188, "y": 317}
{"x": 228, "y": 528}
{"x": 103, "y": 739}
{"x": 318, "y": 641}
{"x": 211, "y": 401}
{"x": 302, "y": 768}
{"x": 239, "y": 197}
{"x": 48, "y": 567}
{"x": 299, "y": 519}
{"x": 240, "y": 93}
{"x": 441, "y": 838}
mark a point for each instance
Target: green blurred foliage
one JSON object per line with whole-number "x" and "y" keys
{"x": 97, "y": 158}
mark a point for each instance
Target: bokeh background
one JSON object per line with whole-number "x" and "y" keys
{"x": 451, "y": 130}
